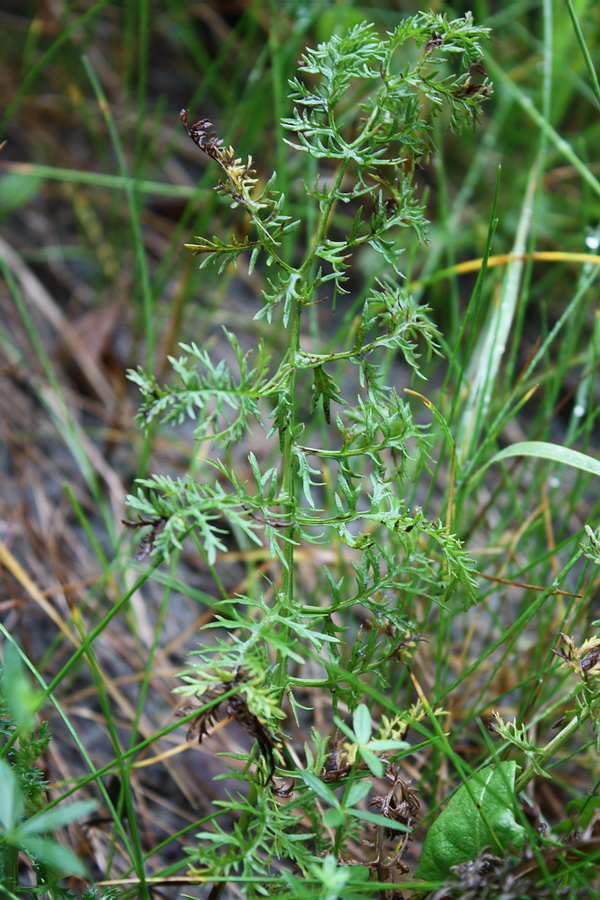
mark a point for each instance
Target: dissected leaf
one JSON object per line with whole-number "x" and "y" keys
{"x": 326, "y": 390}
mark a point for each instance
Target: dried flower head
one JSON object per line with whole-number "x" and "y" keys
{"x": 241, "y": 175}
{"x": 585, "y": 660}
{"x": 234, "y": 706}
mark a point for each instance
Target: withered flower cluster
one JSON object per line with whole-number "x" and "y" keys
{"x": 242, "y": 176}
{"x": 234, "y": 706}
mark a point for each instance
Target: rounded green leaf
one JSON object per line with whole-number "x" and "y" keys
{"x": 479, "y": 815}
{"x": 334, "y": 818}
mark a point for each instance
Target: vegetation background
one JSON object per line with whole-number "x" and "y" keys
{"x": 99, "y": 190}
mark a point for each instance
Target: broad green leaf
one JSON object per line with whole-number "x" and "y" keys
{"x": 479, "y": 815}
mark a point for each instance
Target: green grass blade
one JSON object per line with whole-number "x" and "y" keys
{"x": 552, "y": 452}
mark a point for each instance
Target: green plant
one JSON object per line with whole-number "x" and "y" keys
{"x": 365, "y": 105}
{"x": 96, "y": 203}
{"x": 26, "y": 821}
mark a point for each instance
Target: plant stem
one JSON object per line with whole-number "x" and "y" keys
{"x": 288, "y": 487}
{"x": 555, "y": 744}
{"x": 287, "y": 495}
{"x": 11, "y": 862}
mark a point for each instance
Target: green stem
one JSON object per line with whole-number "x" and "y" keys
{"x": 584, "y": 50}
{"x": 287, "y": 495}
{"x": 555, "y": 744}
{"x": 11, "y": 868}
{"x": 325, "y": 215}
{"x": 288, "y": 487}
